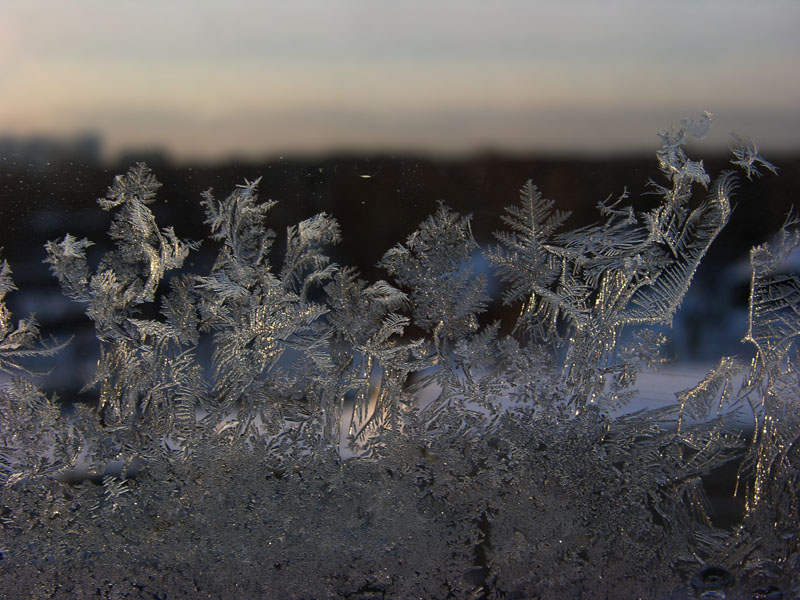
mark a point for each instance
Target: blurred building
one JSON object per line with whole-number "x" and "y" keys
{"x": 40, "y": 150}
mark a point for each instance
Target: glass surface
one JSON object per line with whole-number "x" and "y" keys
{"x": 307, "y": 324}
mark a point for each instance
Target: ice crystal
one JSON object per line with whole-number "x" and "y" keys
{"x": 631, "y": 270}
{"x": 359, "y": 439}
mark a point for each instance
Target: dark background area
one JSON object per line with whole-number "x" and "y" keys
{"x": 378, "y": 201}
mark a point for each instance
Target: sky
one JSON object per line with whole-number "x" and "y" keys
{"x": 204, "y": 80}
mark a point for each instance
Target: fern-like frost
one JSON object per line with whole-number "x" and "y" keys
{"x": 377, "y": 439}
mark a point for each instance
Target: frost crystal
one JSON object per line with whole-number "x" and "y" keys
{"x": 356, "y": 439}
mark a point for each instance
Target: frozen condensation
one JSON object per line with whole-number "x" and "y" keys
{"x": 358, "y": 439}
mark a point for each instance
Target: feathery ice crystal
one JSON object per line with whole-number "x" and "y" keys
{"x": 359, "y": 439}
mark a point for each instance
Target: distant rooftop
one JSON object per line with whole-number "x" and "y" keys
{"x": 40, "y": 150}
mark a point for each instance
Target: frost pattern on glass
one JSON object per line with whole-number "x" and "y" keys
{"x": 357, "y": 439}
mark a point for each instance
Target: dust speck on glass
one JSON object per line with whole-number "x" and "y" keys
{"x": 375, "y": 439}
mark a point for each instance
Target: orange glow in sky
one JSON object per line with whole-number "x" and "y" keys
{"x": 204, "y": 80}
